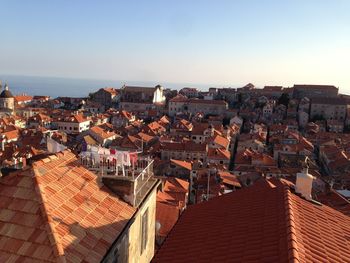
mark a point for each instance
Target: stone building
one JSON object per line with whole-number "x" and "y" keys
{"x": 193, "y": 106}
{"x": 141, "y": 98}
{"x": 314, "y": 91}
{"x": 108, "y": 97}
{"x": 328, "y": 108}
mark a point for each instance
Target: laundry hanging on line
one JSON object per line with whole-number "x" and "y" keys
{"x": 121, "y": 157}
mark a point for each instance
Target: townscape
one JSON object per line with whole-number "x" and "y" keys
{"x": 140, "y": 174}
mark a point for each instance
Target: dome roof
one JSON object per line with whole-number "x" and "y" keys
{"x": 6, "y": 94}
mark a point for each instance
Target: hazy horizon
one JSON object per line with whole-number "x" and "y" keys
{"x": 68, "y": 86}
{"x": 81, "y": 87}
{"x": 209, "y": 42}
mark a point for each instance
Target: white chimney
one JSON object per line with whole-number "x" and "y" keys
{"x": 2, "y": 142}
{"x": 304, "y": 184}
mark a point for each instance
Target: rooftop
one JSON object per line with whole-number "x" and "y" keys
{"x": 266, "y": 222}
{"x": 57, "y": 211}
{"x": 317, "y": 87}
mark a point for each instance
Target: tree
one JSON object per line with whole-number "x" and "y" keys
{"x": 239, "y": 98}
{"x": 284, "y": 99}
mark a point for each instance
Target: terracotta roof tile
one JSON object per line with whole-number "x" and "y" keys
{"x": 183, "y": 164}
{"x": 262, "y": 223}
{"x": 219, "y": 154}
{"x": 22, "y": 98}
{"x": 167, "y": 215}
{"x": 222, "y": 141}
{"x": 52, "y": 210}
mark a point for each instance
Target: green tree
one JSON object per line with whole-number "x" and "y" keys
{"x": 284, "y": 99}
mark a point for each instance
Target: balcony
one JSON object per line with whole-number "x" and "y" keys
{"x": 131, "y": 183}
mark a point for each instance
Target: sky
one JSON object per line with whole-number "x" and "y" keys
{"x": 226, "y": 43}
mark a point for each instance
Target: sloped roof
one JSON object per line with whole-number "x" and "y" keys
{"x": 230, "y": 179}
{"x": 219, "y": 154}
{"x": 89, "y": 140}
{"x": 21, "y": 98}
{"x": 222, "y": 141}
{"x": 110, "y": 90}
{"x": 57, "y": 211}
{"x": 262, "y": 223}
{"x": 167, "y": 216}
{"x": 183, "y": 164}
{"x": 102, "y": 133}
{"x": 176, "y": 185}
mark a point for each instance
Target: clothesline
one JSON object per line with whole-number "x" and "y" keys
{"x": 121, "y": 158}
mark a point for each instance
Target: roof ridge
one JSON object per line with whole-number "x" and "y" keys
{"x": 292, "y": 240}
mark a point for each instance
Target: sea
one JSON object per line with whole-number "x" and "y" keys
{"x": 75, "y": 87}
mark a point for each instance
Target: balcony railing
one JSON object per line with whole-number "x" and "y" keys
{"x": 130, "y": 182}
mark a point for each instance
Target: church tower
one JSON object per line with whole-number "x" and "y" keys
{"x": 7, "y": 101}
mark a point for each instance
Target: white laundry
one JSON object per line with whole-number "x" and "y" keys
{"x": 54, "y": 147}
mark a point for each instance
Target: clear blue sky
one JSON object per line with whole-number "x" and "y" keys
{"x": 209, "y": 42}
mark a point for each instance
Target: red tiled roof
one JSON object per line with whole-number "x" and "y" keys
{"x": 222, "y": 141}
{"x": 56, "y": 211}
{"x": 79, "y": 118}
{"x": 262, "y": 223}
{"x": 167, "y": 215}
{"x": 11, "y": 135}
{"x": 183, "y": 164}
{"x": 145, "y": 137}
{"x": 102, "y": 133}
{"x": 219, "y": 154}
{"x": 199, "y": 128}
{"x": 112, "y": 91}
{"x": 22, "y": 98}
{"x": 228, "y": 178}
{"x": 176, "y": 185}
{"x": 179, "y": 98}
{"x": 124, "y": 114}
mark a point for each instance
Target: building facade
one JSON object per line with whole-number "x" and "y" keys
{"x": 315, "y": 91}
{"x": 328, "y": 108}
{"x": 141, "y": 98}
{"x": 194, "y": 106}
{"x": 108, "y": 97}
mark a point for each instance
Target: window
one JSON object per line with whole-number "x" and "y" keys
{"x": 144, "y": 230}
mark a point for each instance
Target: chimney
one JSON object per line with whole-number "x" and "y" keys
{"x": 304, "y": 183}
{"x": 3, "y": 142}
